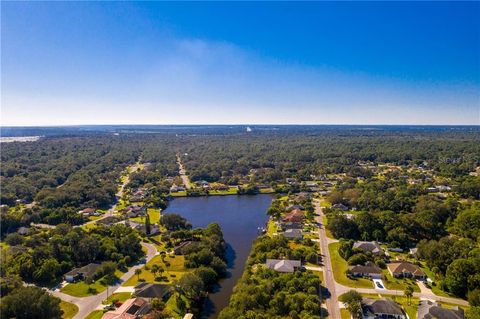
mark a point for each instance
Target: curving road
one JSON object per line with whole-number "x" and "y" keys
{"x": 88, "y": 304}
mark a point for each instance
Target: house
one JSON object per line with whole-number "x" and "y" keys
{"x": 81, "y": 273}
{"x": 381, "y": 309}
{"x": 293, "y": 233}
{"x": 88, "y": 212}
{"x": 283, "y": 265}
{"x": 432, "y": 189}
{"x": 135, "y": 211}
{"x": 108, "y": 221}
{"x": 340, "y": 206}
{"x": 291, "y": 181}
{"x": 149, "y": 291}
{"x": 178, "y": 250}
{"x": 175, "y": 189}
{"x": 369, "y": 270}
{"x": 131, "y": 309}
{"x": 413, "y": 252}
{"x": 23, "y": 231}
{"x": 405, "y": 270}
{"x": 443, "y": 188}
{"x": 368, "y": 246}
{"x": 294, "y": 216}
{"x": 291, "y": 225}
{"x": 292, "y": 207}
{"x": 203, "y": 184}
{"x": 301, "y": 197}
{"x": 154, "y": 229}
{"x": 430, "y": 310}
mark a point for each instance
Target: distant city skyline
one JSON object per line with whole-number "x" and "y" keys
{"x": 74, "y": 63}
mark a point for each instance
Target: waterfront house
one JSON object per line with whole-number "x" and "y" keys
{"x": 283, "y": 265}
{"x": 340, "y": 206}
{"x": 149, "y": 291}
{"x": 293, "y": 233}
{"x": 294, "y": 216}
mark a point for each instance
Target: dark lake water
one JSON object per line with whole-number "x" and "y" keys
{"x": 239, "y": 217}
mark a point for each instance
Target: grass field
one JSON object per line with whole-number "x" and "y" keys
{"x": 154, "y": 214}
{"x": 121, "y": 296}
{"x": 171, "y": 306}
{"x": 271, "y": 228}
{"x": 69, "y": 309}
{"x": 97, "y": 314}
{"x": 339, "y": 266}
{"x": 174, "y": 271}
{"x": 179, "y": 194}
{"x": 398, "y": 283}
{"x": 80, "y": 289}
{"x": 345, "y": 313}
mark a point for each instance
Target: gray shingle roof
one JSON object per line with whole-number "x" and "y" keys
{"x": 381, "y": 306}
{"x": 431, "y": 310}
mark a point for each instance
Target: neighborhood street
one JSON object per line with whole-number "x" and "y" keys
{"x": 335, "y": 289}
{"x": 183, "y": 173}
{"x": 118, "y": 195}
{"x": 332, "y": 300}
{"x": 88, "y": 304}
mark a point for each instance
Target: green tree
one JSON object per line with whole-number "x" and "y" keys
{"x": 408, "y": 293}
{"x": 30, "y": 303}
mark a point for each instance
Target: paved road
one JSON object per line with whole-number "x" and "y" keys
{"x": 332, "y": 301}
{"x": 118, "y": 195}
{"x": 88, "y": 304}
{"x": 183, "y": 173}
{"x": 337, "y": 289}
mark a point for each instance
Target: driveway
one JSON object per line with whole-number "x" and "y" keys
{"x": 378, "y": 284}
{"x": 88, "y": 304}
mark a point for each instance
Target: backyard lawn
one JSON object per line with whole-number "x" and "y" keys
{"x": 174, "y": 271}
{"x": 339, "y": 266}
{"x": 271, "y": 228}
{"x": 69, "y": 309}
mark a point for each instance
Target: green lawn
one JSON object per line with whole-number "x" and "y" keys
{"x": 121, "y": 296}
{"x": 174, "y": 272}
{"x": 230, "y": 191}
{"x": 69, "y": 309}
{"x": 392, "y": 283}
{"x": 271, "y": 228}
{"x": 345, "y": 313}
{"x": 411, "y": 309}
{"x": 339, "y": 266}
{"x": 171, "y": 306}
{"x": 154, "y": 214}
{"x": 80, "y": 289}
{"x": 97, "y": 314}
{"x": 267, "y": 191}
{"x": 179, "y": 194}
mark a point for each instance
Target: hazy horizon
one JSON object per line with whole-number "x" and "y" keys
{"x": 137, "y": 63}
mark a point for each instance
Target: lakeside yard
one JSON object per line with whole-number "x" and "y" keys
{"x": 173, "y": 267}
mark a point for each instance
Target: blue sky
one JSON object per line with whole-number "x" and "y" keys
{"x": 240, "y": 63}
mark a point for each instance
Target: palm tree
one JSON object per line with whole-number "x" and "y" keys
{"x": 138, "y": 271}
{"x": 408, "y": 293}
{"x": 154, "y": 270}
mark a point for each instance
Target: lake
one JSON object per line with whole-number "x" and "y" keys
{"x": 239, "y": 217}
